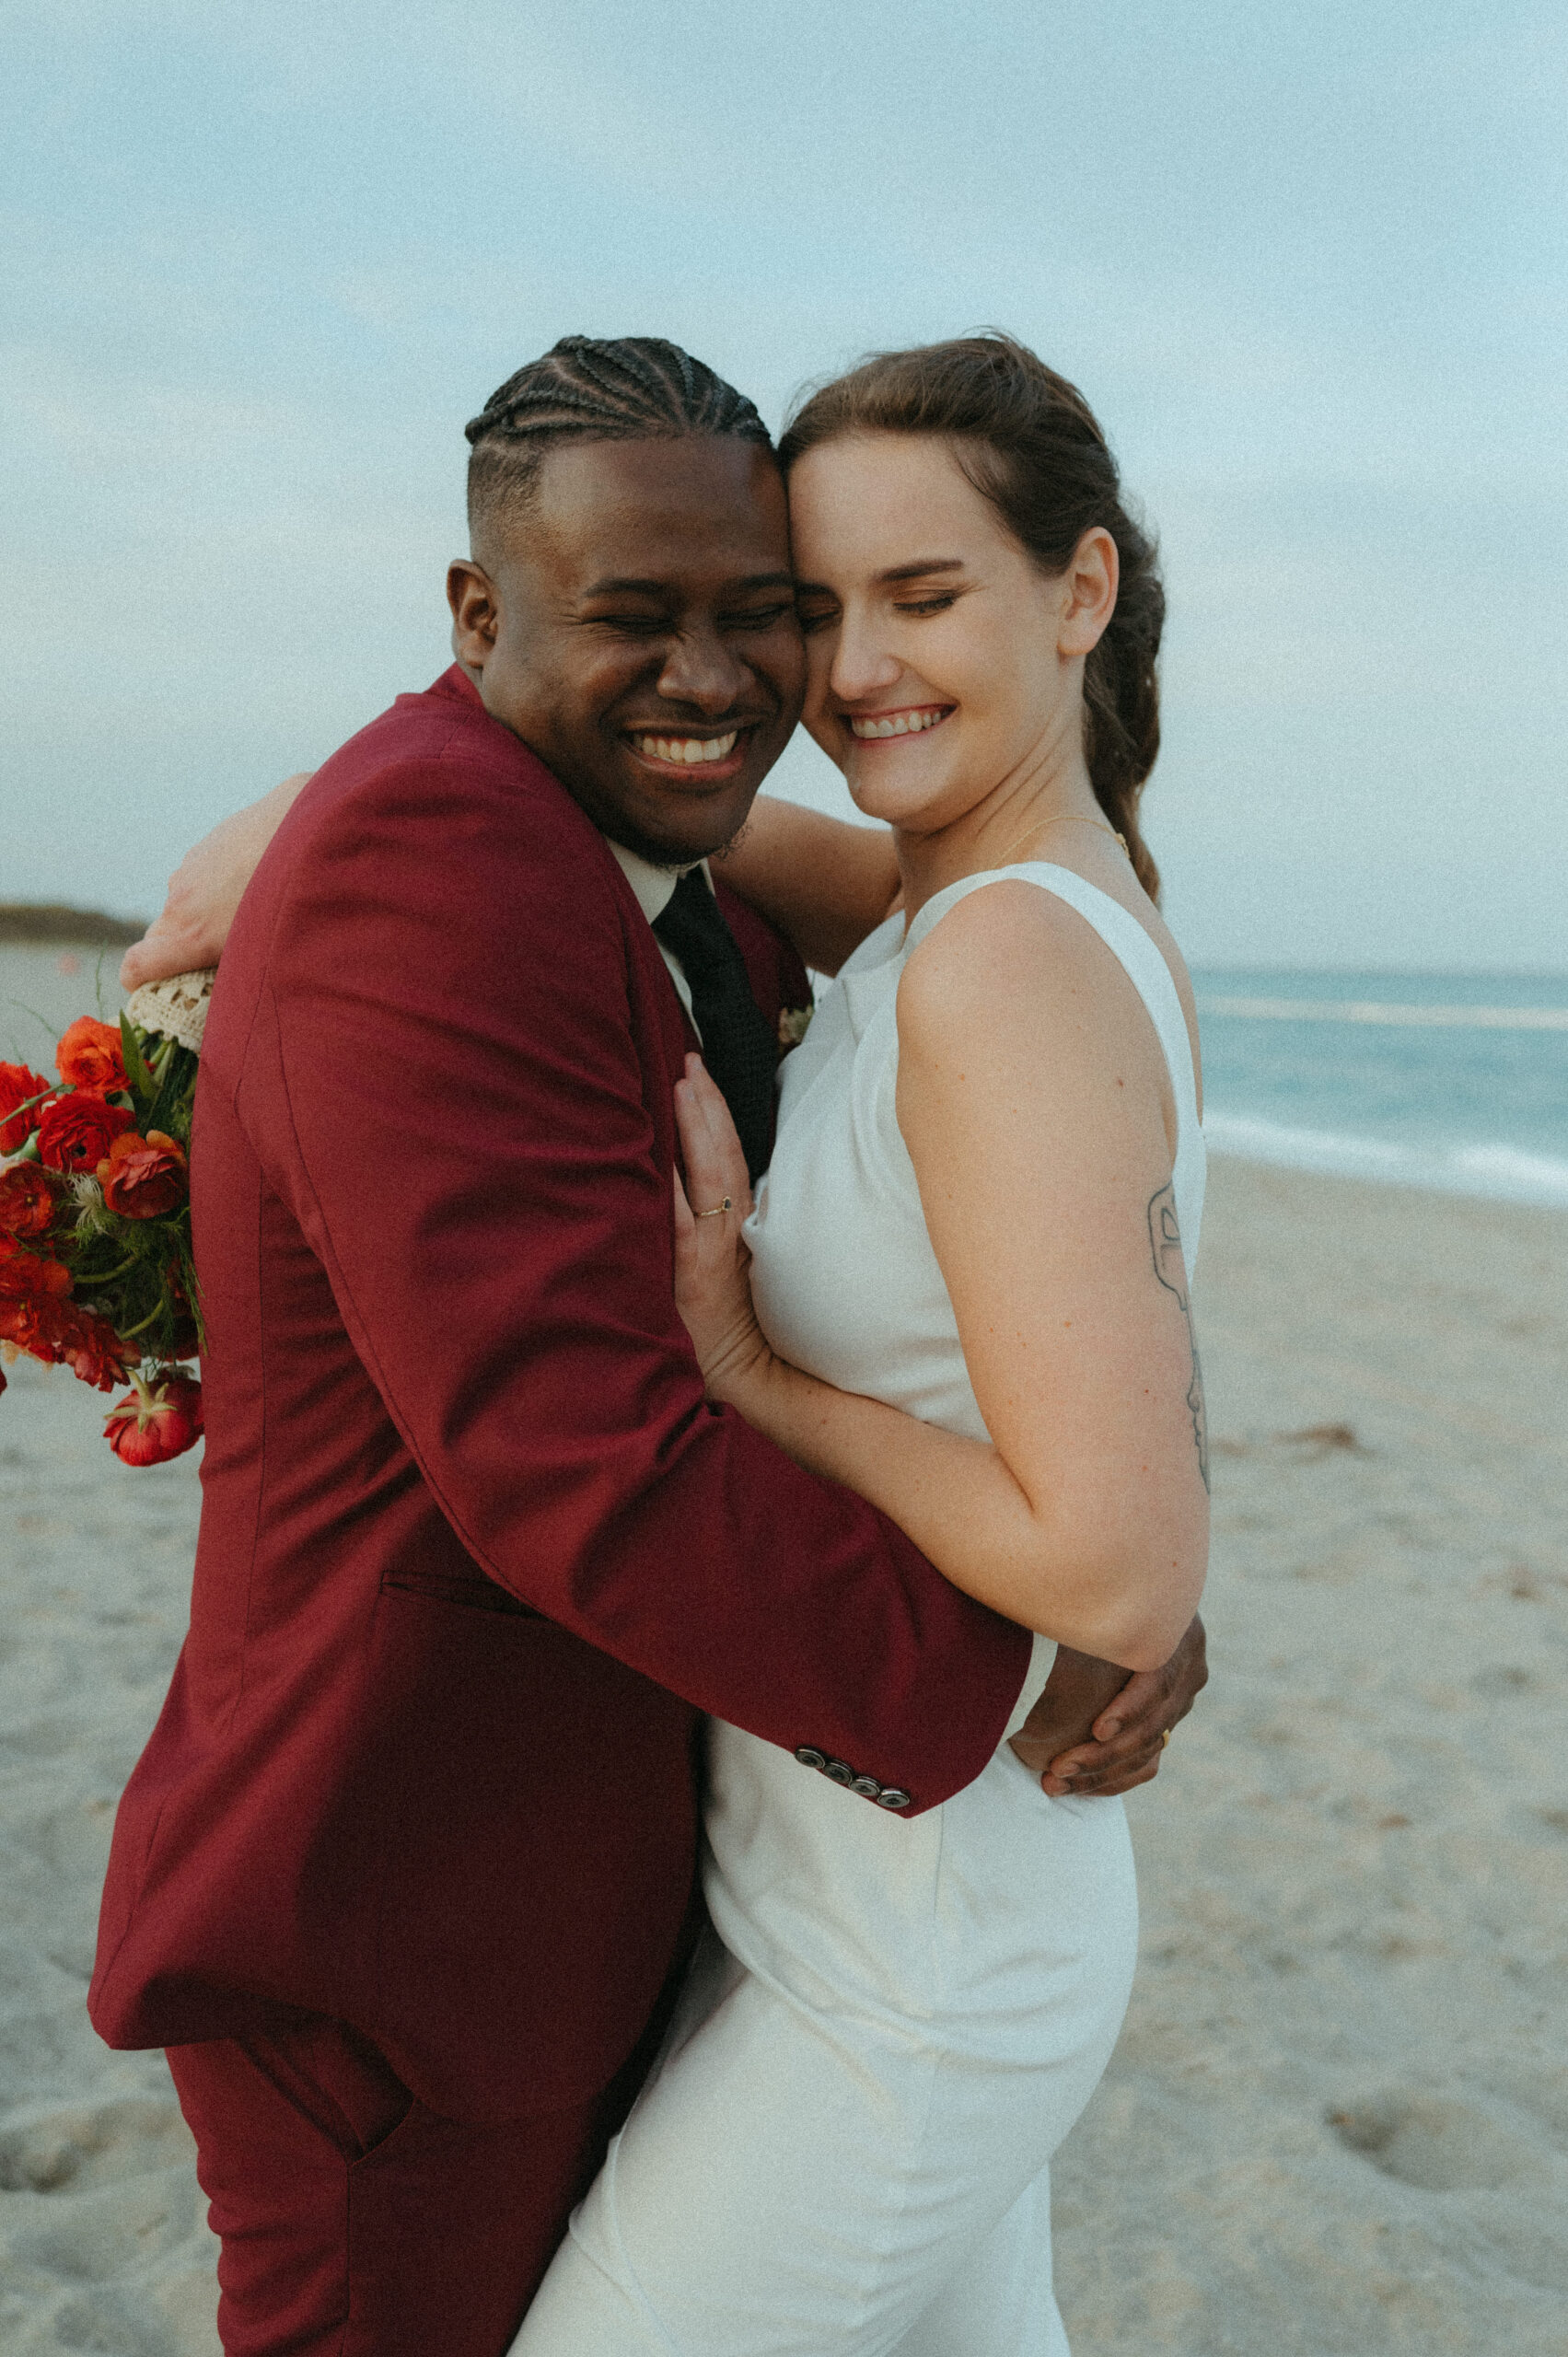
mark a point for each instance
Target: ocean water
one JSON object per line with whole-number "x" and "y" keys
{"x": 1447, "y": 1081}
{"x": 1457, "y": 1081}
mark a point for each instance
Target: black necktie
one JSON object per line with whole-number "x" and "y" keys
{"x": 739, "y": 1049}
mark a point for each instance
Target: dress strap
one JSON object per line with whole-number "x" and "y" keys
{"x": 1132, "y": 948}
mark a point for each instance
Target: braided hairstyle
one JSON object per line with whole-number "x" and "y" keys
{"x": 1029, "y": 443}
{"x": 621, "y": 389}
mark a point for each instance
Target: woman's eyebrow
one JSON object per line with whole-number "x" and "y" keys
{"x": 918, "y": 571}
{"x": 922, "y": 566}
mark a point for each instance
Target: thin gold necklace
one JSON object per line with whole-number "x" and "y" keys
{"x": 1068, "y": 818}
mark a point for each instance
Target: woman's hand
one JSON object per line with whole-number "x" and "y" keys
{"x": 712, "y": 1291}
{"x": 205, "y": 890}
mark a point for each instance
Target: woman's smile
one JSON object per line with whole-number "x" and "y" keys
{"x": 910, "y": 720}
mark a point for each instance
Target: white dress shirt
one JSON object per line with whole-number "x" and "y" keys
{"x": 654, "y": 888}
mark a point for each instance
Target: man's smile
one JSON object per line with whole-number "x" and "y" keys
{"x": 719, "y": 756}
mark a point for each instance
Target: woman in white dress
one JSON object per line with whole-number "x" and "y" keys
{"x": 967, "y": 1297}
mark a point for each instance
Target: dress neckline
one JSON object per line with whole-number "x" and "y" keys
{"x": 931, "y": 911}
{"x": 1129, "y": 941}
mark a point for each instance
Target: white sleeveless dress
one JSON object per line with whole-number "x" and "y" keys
{"x": 843, "y": 2150}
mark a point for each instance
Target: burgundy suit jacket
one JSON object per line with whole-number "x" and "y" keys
{"x": 474, "y": 1550}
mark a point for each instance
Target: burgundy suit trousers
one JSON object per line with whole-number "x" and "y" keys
{"x": 356, "y": 2223}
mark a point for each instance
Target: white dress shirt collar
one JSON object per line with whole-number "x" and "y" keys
{"x": 655, "y": 887}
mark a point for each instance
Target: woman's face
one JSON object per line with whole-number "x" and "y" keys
{"x": 942, "y": 665}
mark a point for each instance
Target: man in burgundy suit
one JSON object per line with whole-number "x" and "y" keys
{"x": 409, "y": 1858}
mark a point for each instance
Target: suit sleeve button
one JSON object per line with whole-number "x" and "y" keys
{"x": 868, "y": 1787}
{"x": 891, "y": 1797}
{"x": 840, "y": 1772}
{"x": 811, "y": 1759}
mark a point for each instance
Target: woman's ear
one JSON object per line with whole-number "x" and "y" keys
{"x": 1089, "y": 588}
{"x": 476, "y": 612}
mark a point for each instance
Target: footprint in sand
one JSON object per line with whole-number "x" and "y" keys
{"x": 102, "y": 2243}
{"x": 1436, "y": 2144}
{"x": 89, "y": 2143}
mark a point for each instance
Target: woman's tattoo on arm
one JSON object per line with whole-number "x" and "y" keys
{"x": 1170, "y": 1268}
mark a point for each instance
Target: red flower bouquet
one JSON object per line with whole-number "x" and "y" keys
{"x": 95, "y": 1271}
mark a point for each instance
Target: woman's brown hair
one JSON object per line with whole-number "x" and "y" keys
{"x": 1030, "y": 443}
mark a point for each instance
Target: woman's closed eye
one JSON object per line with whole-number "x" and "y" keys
{"x": 817, "y": 614}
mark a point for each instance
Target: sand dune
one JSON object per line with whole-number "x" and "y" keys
{"x": 1338, "y": 2121}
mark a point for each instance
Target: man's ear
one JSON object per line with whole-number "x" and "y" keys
{"x": 476, "y": 612}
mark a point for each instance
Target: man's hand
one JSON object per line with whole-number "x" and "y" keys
{"x": 1095, "y": 1729}
{"x": 205, "y": 890}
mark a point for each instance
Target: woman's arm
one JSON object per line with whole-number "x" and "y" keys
{"x": 1030, "y": 1095}
{"x": 205, "y": 890}
{"x": 824, "y": 884}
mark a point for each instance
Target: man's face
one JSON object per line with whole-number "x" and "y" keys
{"x": 635, "y": 625}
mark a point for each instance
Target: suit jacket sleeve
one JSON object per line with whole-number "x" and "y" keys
{"x": 444, "y": 1079}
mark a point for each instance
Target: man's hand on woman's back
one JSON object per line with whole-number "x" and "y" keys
{"x": 1096, "y": 1730}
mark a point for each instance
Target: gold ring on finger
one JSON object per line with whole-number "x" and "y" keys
{"x": 717, "y": 1212}
{"x": 1165, "y": 1738}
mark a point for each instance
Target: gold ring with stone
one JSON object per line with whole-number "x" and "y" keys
{"x": 717, "y": 1211}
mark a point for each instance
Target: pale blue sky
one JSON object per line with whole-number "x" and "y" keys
{"x": 1308, "y": 264}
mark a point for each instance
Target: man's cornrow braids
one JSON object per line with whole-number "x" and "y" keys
{"x": 625, "y": 389}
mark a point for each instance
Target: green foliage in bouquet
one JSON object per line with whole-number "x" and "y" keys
{"x": 130, "y": 1259}
{"x": 96, "y": 1267}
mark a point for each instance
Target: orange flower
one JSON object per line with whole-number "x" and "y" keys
{"x": 90, "y": 1056}
{"x": 27, "y": 1200}
{"x": 18, "y": 1083}
{"x": 142, "y": 1178}
{"x": 76, "y": 1133}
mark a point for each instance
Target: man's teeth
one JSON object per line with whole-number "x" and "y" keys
{"x": 691, "y": 750}
{"x": 900, "y": 724}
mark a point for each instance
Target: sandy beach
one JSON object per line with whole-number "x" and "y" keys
{"x": 1337, "y": 2119}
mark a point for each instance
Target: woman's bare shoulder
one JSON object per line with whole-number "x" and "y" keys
{"x": 1006, "y": 967}
{"x": 1010, "y": 958}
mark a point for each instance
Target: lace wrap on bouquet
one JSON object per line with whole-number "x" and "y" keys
{"x": 175, "y": 1008}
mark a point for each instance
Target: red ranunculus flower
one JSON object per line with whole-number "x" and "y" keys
{"x": 156, "y": 1420}
{"x": 29, "y": 1276}
{"x": 39, "y": 1324}
{"x": 142, "y": 1178}
{"x": 90, "y": 1055}
{"x": 27, "y": 1200}
{"x": 77, "y": 1132}
{"x": 95, "y": 1353}
{"x": 52, "y": 1327}
{"x": 16, "y": 1084}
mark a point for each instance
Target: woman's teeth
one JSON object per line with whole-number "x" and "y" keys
{"x": 900, "y": 724}
{"x": 689, "y": 749}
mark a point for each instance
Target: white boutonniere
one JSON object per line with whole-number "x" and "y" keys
{"x": 793, "y": 1023}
